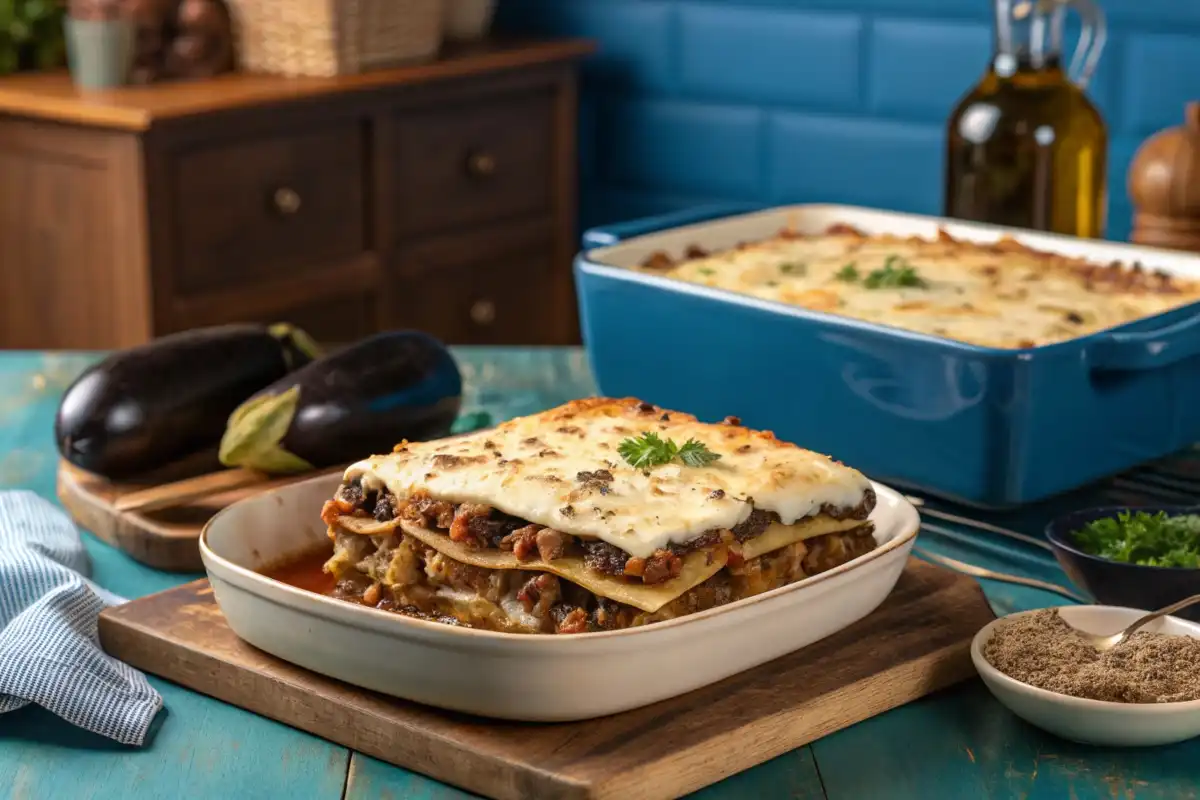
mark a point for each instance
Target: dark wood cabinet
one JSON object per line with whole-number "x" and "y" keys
{"x": 497, "y": 285}
{"x": 473, "y": 163}
{"x": 439, "y": 197}
{"x": 338, "y": 320}
{"x": 269, "y": 207}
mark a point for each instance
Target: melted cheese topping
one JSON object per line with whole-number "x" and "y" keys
{"x": 1001, "y": 295}
{"x": 561, "y": 469}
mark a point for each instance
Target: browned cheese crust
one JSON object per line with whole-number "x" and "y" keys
{"x": 1000, "y": 294}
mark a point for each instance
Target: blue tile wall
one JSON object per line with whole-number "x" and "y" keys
{"x": 693, "y": 101}
{"x": 789, "y": 47}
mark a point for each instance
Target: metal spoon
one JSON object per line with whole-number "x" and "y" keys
{"x": 920, "y": 503}
{"x": 992, "y": 575}
{"x": 1103, "y": 643}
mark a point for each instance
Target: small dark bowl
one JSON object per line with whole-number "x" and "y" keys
{"x": 1116, "y": 583}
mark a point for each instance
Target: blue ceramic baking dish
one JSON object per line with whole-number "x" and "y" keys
{"x": 982, "y": 426}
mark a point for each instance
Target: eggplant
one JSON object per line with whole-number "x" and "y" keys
{"x": 143, "y": 408}
{"x": 347, "y": 405}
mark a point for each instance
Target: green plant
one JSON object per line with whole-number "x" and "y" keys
{"x": 31, "y": 35}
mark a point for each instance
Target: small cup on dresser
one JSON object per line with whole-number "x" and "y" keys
{"x": 100, "y": 43}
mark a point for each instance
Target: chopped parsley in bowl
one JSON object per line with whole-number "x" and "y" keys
{"x": 1143, "y": 558}
{"x": 1139, "y": 537}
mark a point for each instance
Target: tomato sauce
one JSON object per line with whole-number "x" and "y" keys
{"x": 304, "y": 572}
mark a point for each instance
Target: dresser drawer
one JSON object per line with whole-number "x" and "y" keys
{"x": 269, "y": 207}
{"x": 496, "y": 287}
{"x": 474, "y": 162}
{"x": 332, "y": 322}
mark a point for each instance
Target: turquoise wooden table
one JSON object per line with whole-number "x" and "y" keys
{"x": 956, "y": 744}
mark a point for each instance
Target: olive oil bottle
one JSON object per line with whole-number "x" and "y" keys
{"x": 1026, "y": 147}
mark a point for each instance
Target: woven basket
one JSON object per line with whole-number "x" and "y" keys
{"x": 334, "y": 37}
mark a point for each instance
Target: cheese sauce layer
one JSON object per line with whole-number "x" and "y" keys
{"x": 561, "y": 469}
{"x": 1001, "y": 295}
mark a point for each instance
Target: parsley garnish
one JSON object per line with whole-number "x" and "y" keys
{"x": 696, "y": 454}
{"x": 848, "y": 273}
{"x": 1151, "y": 540}
{"x": 793, "y": 268}
{"x": 896, "y": 273}
{"x": 705, "y": 270}
{"x": 650, "y": 450}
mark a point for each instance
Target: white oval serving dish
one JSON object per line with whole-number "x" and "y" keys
{"x": 544, "y": 678}
{"x": 1095, "y": 722}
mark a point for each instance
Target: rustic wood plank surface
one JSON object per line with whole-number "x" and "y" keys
{"x": 916, "y": 643}
{"x": 957, "y": 744}
{"x": 792, "y": 776}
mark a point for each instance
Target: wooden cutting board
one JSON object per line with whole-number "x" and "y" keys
{"x": 916, "y": 643}
{"x": 166, "y": 538}
{"x": 163, "y": 539}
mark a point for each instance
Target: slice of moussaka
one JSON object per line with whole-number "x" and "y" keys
{"x": 600, "y": 514}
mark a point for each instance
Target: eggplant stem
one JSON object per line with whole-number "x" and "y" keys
{"x": 302, "y": 341}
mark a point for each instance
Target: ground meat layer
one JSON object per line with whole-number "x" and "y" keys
{"x": 481, "y": 526}
{"x": 401, "y": 573}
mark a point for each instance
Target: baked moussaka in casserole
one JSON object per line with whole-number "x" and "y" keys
{"x": 600, "y": 514}
{"x": 1000, "y": 294}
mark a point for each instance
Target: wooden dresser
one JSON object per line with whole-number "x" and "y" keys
{"x": 439, "y": 197}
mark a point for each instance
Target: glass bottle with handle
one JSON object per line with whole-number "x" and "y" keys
{"x": 1026, "y": 147}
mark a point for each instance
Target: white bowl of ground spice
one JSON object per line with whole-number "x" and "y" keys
{"x": 1143, "y": 692}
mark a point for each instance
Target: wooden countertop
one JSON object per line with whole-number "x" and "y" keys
{"x": 52, "y": 96}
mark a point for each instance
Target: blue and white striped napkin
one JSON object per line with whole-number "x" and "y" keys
{"x": 49, "y": 649}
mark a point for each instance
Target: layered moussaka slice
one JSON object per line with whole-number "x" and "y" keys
{"x": 600, "y": 514}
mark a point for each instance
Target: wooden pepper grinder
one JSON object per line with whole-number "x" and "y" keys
{"x": 1164, "y": 185}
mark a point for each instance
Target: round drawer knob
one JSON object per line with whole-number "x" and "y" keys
{"x": 287, "y": 201}
{"x": 481, "y": 165}
{"x": 483, "y": 312}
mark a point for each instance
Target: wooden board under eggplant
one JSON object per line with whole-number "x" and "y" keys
{"x": 165, "y": 538}
{"x": 916, "y": 643}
